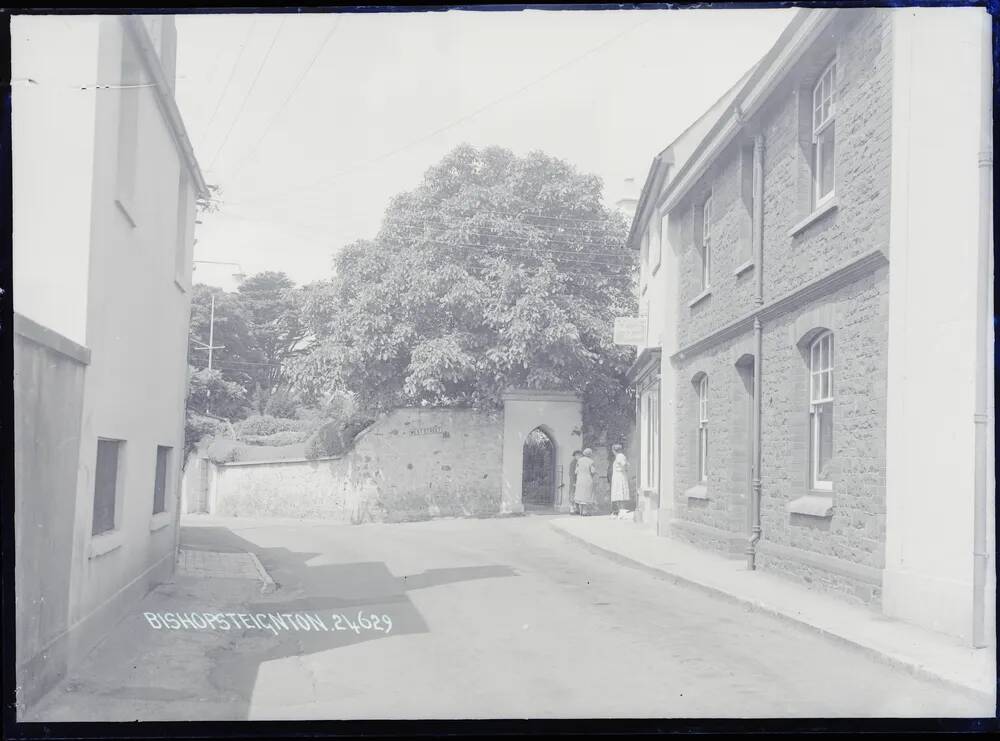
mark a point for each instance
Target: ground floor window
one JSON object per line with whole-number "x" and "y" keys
{"x": 649, "y": 426}
{"x": 703, "y": 429}
{"x": 160, "y": 481}
{"x": 106, "y": 486}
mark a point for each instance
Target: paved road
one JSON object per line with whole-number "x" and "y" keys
{"x": 490, "y": 618}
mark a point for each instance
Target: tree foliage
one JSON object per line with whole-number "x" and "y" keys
{"x": 497, "y": 271}
{"x": 259, "y": 328}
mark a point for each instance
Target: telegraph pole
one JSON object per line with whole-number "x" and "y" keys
{"x": 210, "y": 347}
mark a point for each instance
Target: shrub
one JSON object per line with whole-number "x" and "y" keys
{"x": 196, "y": 429}
{"x": 265, "y": 424}
{"x": 278, "y": 439}
{"x": 336, "y": 437}
{"x": 282, "y": 404}
{"x": 223, "y": 451}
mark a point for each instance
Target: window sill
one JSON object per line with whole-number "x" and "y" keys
{"x": 159, "y": 521}
{"x": 126, "y": 208}
{"x": 655, "y": 270}
{"x": 816, "y": 215}
{"x": 748, "y": 265}
{"x": 699, "y": 491}
{"x": 180, "y": 286}
{"x": 812, "y": 505}
{"x": 105, "y": 543}
{"x": 699, "y": 298}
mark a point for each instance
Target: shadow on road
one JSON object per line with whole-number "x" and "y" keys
{"x": 346, "y": 589}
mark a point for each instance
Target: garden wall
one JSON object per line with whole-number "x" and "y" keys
{"x": 413, "y": 463}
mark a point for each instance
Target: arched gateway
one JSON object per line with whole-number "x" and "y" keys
{"x": 546, "y": 427}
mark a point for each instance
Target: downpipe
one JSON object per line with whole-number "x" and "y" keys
{"x": 758, "y": 249}
{"x": 984, "y": 336}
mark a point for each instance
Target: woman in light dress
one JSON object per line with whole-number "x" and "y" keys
{"x": 583, "y": 493}
{"x": 620, "y": 496}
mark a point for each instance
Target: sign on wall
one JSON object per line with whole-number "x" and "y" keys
{"x": 630, "y": 330}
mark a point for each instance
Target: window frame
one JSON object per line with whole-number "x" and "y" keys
{"x": 818, "y": 400}
{"x": 167, "y": 459}
{"x": 117, "y": 482}
{"x": 703, "y": 428}
{"x": 823, "y": 129}
{"x": 706, "y": 242}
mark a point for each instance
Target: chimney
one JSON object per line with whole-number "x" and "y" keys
{"x": 629, "y": 198}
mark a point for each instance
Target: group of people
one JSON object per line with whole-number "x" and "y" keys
{"x": 581, "y": 476}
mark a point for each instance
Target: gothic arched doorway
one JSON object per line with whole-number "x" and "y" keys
{"x": 538, "y": 473}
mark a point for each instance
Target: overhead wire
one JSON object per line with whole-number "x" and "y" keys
{"x": 281, "y": 107}
{"x": 325, "y": 179}
{"x": 249, "y": 92}
{"x": 232, "y": 74}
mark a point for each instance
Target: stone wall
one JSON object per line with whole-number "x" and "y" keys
{"x": 844, "y": 551}
{"x": 414, "y": 463}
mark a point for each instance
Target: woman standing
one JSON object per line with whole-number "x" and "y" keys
{"x": 620, "y": 496}
{"x": 583, "y": 492}
{"x": 572, "y": 479}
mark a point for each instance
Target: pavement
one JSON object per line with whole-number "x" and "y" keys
{"x": 461, "y": 618}
{"x": 919, "y": 651}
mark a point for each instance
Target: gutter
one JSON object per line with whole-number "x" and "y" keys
{"x": 984, "y": 338}
{"x": 165, "y": 98}
{"x": 758, "y": 344}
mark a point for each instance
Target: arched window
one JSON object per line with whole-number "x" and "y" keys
{"x": 703, "y": 429}
{"x": 821, "y": 411}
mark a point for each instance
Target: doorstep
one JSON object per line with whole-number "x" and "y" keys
{"x": 917, "y": 650}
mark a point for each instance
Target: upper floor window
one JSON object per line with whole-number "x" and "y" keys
{"x": 655, "y": 243}
{"x": 703, "y": 429}
{"x": 824, "y": 134}
{"x": 706, "y": 243}
{"x": 747, "y": 195}
{"x": 821, "y": 411}
{"x": 644, "y": 261}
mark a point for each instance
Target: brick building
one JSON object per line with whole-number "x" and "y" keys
{"x": 814, "y": 392}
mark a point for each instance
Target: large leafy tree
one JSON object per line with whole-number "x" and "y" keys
{"x": 497, "y": 271}
{"x": 238, "y": 355}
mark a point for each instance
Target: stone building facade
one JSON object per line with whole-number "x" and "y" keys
{"x": 777, "y": 235}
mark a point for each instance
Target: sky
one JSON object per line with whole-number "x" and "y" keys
{"x": 310, "y": 123}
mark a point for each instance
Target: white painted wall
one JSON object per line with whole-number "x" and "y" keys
{"x": 137, "y": 318}
{"x": 937, "y": 67}
{"x": 53, "y": 133}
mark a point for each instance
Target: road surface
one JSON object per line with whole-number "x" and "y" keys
{"x": 490, "y": 618}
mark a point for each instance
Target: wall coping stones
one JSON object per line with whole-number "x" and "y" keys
{"x": 51, "y": 339}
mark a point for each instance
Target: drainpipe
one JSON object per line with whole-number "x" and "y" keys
{"x": 758, "y": 256}
{"x": 984, "y": 331}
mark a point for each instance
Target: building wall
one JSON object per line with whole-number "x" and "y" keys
{"x": 941, "y": 76}
{"x": 137, "y": 328}
{"x": 414, "y": 463}
{"x": 843, "y": 550}
{"x": 49, "y": 373}
{"x": 54, "y": 69}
